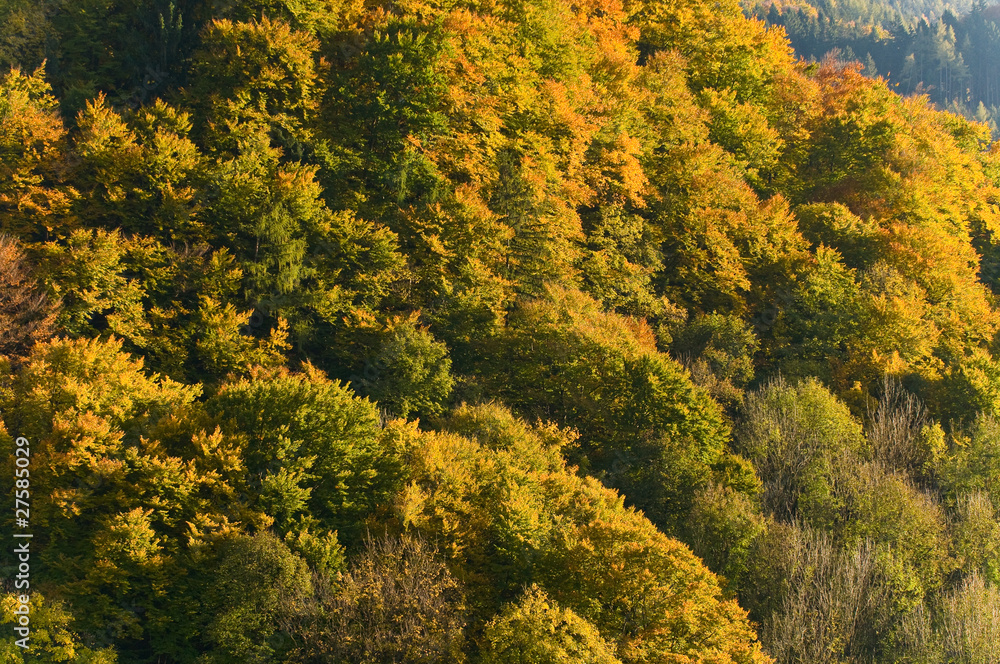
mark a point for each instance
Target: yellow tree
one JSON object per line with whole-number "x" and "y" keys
{"x": 35, "y": 199}
{"x": 508, "y": 512}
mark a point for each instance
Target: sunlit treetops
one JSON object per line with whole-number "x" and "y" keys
{"x": 626, "y": 333}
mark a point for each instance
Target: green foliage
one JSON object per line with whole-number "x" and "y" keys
{"x": 255, "y": 578}
{"x": 977, "y": 536}
{"x": 139, "y": 176}
{"x": 724, "y": 343}
{"x": 318, "y": 17}
{"x": 888, "y": 510}
{"x": 410, "y": 373}
{"x": 835, "y": 226}
{"x": 642, "y": 423}
{"x": 113, "y": 509}
{"x": 81, "y": 379}
{"x": 725, "y": 50}
{"x": 165, "y": 303}
{"x": 509, "y": 513}
{"x": 971, "y": 460}
{"x": 88, "y": 275}
{"x": 624, "y": 255}
{"x": 537, "y": 631}
{"x": 265, "y": 214}
{"x": 24, "y": 26}
{"x": 315, "y": 451}
{"x": 970, "y": 389}
{"x": 521, "y": 208}
{"x": 722, "y": 529}
{"x": 943, "y": 50}
{"x": 797, "y": 437}
{"x": 252, "y": 76}
{"x": 812, "y": 457}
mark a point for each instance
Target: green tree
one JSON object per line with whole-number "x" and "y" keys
{"x": 722, "y": 529}
{"x": 410, "y": 372}
{"x": 252, "y": 77}
{"x": 643, "y": 425}
{"x": 135, "y": 51}
{"x": 509, "y": 513}
{"x": 797, "y": 436}
{"x": 140, "y": 176}
{"x": 977, "y": 536}
{"x": 255, "y": 577}
{"x": 314, "y": 452}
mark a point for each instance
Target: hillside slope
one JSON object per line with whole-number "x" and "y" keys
{"x": 536, "y": 331}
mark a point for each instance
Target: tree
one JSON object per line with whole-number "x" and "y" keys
{"x": 173, "y": 305}
{"x": 118, "y": 511}
{"x": 133, "y": 50}
{"x": 796, "y": 436}
{"x": 969, "y": 462}
{"x": 251, "y": 77}
{"x": 321, "y": 18}
{"x": 728, "y": 249}
{"x": 724, "y": 49}
{"x": 536, "y": 630}
{"x": 963, "y": 628}
{"x": 410, "y": 372}
{"x": 139, "y": 176}
{"x": 724, "y": 343}
{"x": 977, "y": 536}
{"x": 314, "y": 452}
{"x": 52, "y": 638}
{"x": 255, "y": 577}
{"x": 839, "y": 604}
{"x": 643, "y": 425}
{"x": 24, "y": 26}
{"x": 34, "y": 197}
{"x": 889, "y": 511}
{"x": 26, "y": 314}
{"x": 89, "y": 274}
{"x": 265, "y": 214}
{"x": 894, "y": 164}
{"x": 497, "y": 494}
{"x": 722, "y": 529}
{"x": 900, "y": 434}
{"x": 398, "y": 602}
{"x": 624, "y": 255}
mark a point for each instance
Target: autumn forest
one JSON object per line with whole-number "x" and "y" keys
{"x": 491, "y": 332}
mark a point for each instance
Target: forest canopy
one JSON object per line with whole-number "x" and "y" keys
{"x": 493, "y": 332}
{"x": 949, "y": 51}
